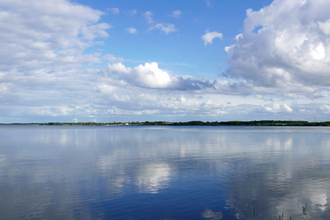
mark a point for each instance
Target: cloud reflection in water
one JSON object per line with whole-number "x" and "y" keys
{"x": 209, "y": 214}
{"x": 165, "y": 172}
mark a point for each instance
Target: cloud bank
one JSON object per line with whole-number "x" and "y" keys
{"x": 47, "y": 70}
{"x": 51, "y": 34}
{"x": 285, "y": 46}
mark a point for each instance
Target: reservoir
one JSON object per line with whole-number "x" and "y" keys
{"x": 164, "y": 172}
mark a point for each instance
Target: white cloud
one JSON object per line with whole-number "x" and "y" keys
{"x": 209, "y": 36}
{"x": 176, "y": 14}
{"x": 325, "y": 108}
{"x": 151, "y": 76}
{"x": 114, "y": 10}
{"x": 166, "y": 28}
{"x": 131, "y": 30}
{"x": 42, "y": 46}
{"x": 52, "y": 111}
{"x": 148, "y": 75}
{"x": 148, "y": 17}
{"x": 111, "y": 58}
{"x": 91, "y": 32}
{"x": 276, "y": 107}
{"x": 50, "y": 34}
{"x": 265, "y": 98}
{"x": 132, "y": 12}
{"x": 287, "y": 108}
{"x": 106, "y": 89}
{"x": 45, "y": 72}
{"x": 284, "y": 46}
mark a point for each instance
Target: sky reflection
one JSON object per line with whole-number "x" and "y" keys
{"x": 164, "y": 172}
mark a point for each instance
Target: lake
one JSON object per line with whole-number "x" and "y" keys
{"x": 142, "y": 172}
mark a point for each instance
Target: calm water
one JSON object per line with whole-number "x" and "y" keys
{"x": 63, "y": 172}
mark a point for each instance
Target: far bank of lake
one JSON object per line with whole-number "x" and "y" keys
{"x": 189, "y": 123}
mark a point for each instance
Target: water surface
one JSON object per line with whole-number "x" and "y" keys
{"x": 141, "y": 172}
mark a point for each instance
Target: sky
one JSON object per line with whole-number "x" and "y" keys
{"x": 125, "y": 60}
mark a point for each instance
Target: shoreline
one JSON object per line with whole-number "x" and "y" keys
{"x": 189, "y": 123}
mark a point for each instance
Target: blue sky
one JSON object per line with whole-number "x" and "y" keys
{"x": 143, "y": 60}
{"x": 183, "y": 50}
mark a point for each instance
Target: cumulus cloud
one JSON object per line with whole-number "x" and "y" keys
{"x": 148, "y": 75}
{"x": 166, "y": 28}
{"x": 176, "y": 14}
{"x": 114, "y": 10}
{"x": 209, "y": 36}
{"x": 276, "y": 107}
{"x": 325, "y": 108}
{"x": 284, "y": 45}
{"x": 131, "y": 30}
{"x": 151, "y": 76}
{"x": 132, "y": 12}
{"x": 148, "y": 17}
{"x": 111, "y": 58}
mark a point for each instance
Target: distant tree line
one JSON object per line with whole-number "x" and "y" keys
{"x": 190, "y": 123}
{"x": 241, "y": 123}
